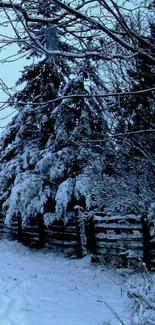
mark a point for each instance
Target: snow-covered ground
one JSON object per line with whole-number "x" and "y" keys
{"x": 45, "y": 288}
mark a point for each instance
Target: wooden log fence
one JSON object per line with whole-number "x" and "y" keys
{"x": 119, "y": 236}
{"x": 37, "y": 235}
{"x": 151, "y": 263}
{"x": 109, "y": 237}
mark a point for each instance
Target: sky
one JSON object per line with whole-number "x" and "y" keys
{"x": 9, "y": 71}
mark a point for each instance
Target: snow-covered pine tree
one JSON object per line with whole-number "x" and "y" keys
{"x": 48, "y": 157}
{"x": 29, "y": 131}
{"x": 26, "y": 136}
{"x": 78, "y": 121}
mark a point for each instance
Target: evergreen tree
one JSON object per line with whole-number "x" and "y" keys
{"x": 142, "y": 76}
{"x": 52, "y": 178}
{"x": 50, "y": 159}
{"x": 132, "y": 127}
{"x": 136, "y": 112}
{"x": 47, "y": 155}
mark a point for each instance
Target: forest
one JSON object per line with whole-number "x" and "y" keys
{"x": 84, "y": 128}
{"x": 80, "y": 147}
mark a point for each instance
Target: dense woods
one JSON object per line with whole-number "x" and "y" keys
{"x": 84, "y": 130}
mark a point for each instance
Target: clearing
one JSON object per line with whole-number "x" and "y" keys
{"x": 45, "y": 288}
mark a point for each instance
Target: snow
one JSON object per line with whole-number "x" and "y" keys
{"x": 45, "y": 288}
{"x": 49, "y": 218}
{"x": 64, "y": 196}
{"x": 43, "y": 165}
{"x": 26, "y": 197}
{"x": 82, "y": 188}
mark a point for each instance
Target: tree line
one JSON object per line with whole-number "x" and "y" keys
{"x": 84, "y": 129}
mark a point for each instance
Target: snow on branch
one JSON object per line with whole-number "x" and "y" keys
{"x": 22, "y": 11}
{"x": 63, "y": 197}
{"x": 27, "y": 198}
{"x": 94, "y": 23}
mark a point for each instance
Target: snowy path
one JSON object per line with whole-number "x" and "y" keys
{"x": 43, "y": 288}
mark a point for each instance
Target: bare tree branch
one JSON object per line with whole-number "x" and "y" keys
{"x": 93, "y": 23}
{"x": 127, "y": 93}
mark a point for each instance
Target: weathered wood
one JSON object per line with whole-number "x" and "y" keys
{"x": 122, "y": 236}
{"x": 31, "y": 228}
{"x": 100, "y": 226}
{"x": 30, "y": 234}
{"x": 118, "y": 218}
{"x": 30, "y": 238}
{"x": 36, "y": 233}
{"x": 41, "y": 230}
{"x": 56, "y": 227}
{"x": 117, "y": 234}
{"x": 4, "y": 231}
{"x": 61, "y": 236}
{"x": 58, "y": 242}
{"x": 112, "y": 253}
{"x": 106, "y": 235}
{"x": 120, "y": 244}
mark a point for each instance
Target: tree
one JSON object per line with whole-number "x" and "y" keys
{"x": 79, "y": 22}
{"x": 88, "y": 33}
{"x": 132, "y": 128}
{"x": 27, "y": 14}
{"x": 67, "y": 123}
{"x": 134, "y": 115}
{"x": 47, "y": 155}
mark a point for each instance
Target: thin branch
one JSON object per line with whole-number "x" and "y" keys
{"x": 84, "y": 17}
{"x": 117, "y": 135}
{"x": 127, "y": 93}
{"x": 26, "y": 16}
